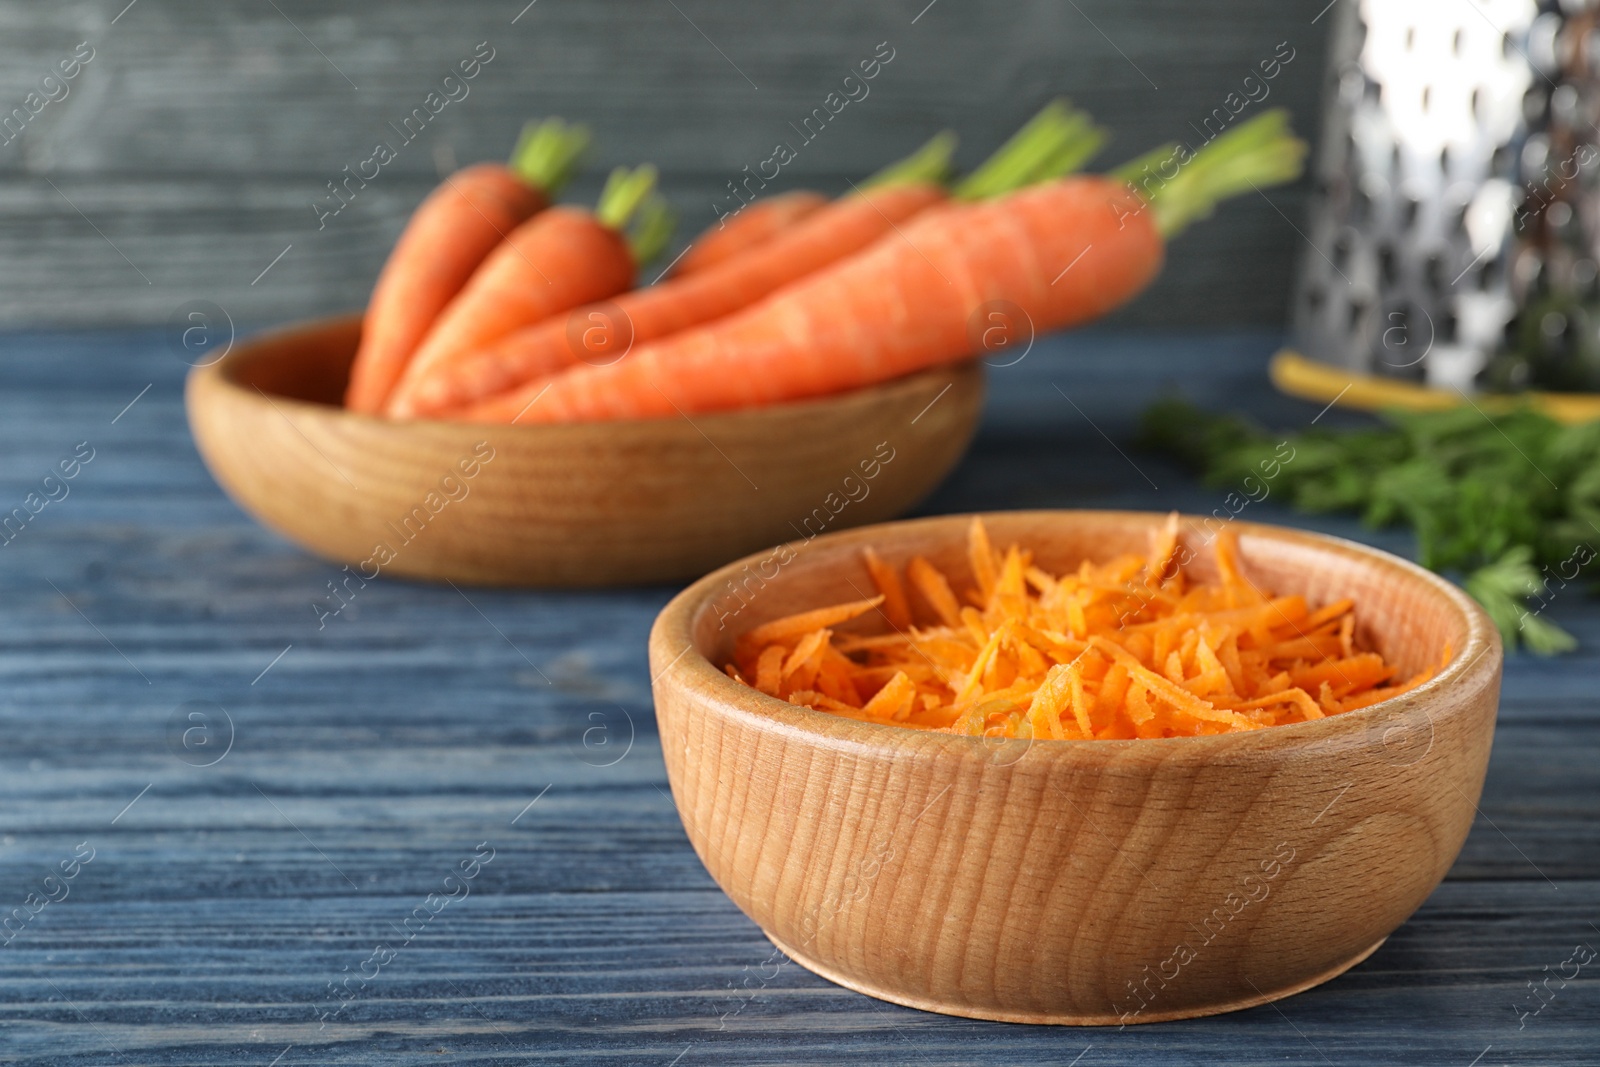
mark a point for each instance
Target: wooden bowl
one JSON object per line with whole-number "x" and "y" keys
{"x": 1079, "y": 882}
{"x": 572, "y": 505}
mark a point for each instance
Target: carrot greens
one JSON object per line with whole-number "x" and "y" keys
{"x": 1183, "y": 186}
{"x": 548, "y": 153}
{"x": 1509, "y": 502}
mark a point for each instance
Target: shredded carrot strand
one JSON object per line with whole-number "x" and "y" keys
{"x": 1165, "y": 543}
{"x": 1129, "y": 648}
{"x": 807, "y": 621}
{"x": 896, "y": 608}
{"x": 981, "y": 556}
{"x": 894, "y": 700}
{"x": 769, "y": 669}
{"x": 936, "y": 589}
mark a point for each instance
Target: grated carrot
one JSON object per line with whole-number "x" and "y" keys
{"x": 809, "y": 648}
{"x": 896, "y": 608}
{"x": 807, "y": 621}
{"x": 980, "y": 556}
{"x": 1164, "y": 542}
{"x": 895, "y": 700}
{"x": 935, "y": 589}
{"x": 1130, "y": 648}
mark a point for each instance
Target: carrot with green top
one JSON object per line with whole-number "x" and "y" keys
{"x": 762, "y": 219}
{"x": 766, "y": 217}
{"x": 1065, "y": 252}
{"x": 844, "y": 227}
{"x": 754, "y": 224}
{"x": 652, "y": 312}
{"x": 557, "y": 260}
{"x": 448, "y": 236}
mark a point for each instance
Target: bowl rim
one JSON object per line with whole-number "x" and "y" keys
{"x": 1481, "y": 652}
{"x": 223, "y": 374}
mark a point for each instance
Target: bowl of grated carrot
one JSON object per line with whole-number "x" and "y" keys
{"x": 1091, "y": 768}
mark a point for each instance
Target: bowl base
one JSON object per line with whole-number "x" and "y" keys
{"x": 965, "y": 1011}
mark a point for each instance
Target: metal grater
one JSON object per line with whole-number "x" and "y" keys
{"x": 1454, "y": 192}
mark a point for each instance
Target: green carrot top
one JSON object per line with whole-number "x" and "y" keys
{"x": 930, "y": 163}
{"x": 1054, "y": 143}
{"x": 630, "y": 204}
{"x": 1057, "y": 141}
{"x": 1262, "y": 151}
{"x": 548, "y": 153}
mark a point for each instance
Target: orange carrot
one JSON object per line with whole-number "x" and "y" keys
{"x": 754, "y": 224}
{"x": 765, "y": 218}
{"x": 822, "y": 238}
{"x": 903, "y": 305}
{"x": 1065, "y": 252}
{"x": 448, "y": 236}
{"x": 837, "y": 230}
{"x": 444, "y": 242}
{"x": 555, "y": 261}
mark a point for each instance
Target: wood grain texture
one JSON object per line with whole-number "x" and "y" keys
{"x": 581, "y": 504}
{"x": 190, "y": 149}
{"x": 408, "y": 729}
{"x": 1090, "y": 883}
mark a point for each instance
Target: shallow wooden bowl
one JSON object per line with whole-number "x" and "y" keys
{"x": 573, "y": 505}
{"x": 1080, "y": 882}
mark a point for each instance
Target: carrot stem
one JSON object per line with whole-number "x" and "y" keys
{"x": 1028, "y": 153}
{"x": 930, "y": 163}
{"x": 1081, "y": 140}
{"x": 630, "y": 204}
{"x": 1135, "y": 168}
{"x": 653, "y": 230}
{"x": 548, "y": 153}
{"x": 624, "y": 191}
{"x": 1263, "y": 151}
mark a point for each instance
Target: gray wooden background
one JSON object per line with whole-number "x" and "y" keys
{"x": 185, "y": 157}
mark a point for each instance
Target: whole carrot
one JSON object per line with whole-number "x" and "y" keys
{"x": 828, "y": 235}
{"x": 763, "y": 219}
{"x": 649, "y": 313}
{"x": 1065, "y": 252}
{"x": 754, "y": 224}
{"x": 558, "y": 259}
{"x": 646, "y": 314}
{"x": 447, "y": 238}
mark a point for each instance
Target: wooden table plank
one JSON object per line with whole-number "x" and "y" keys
{"x": 377, "y": 752}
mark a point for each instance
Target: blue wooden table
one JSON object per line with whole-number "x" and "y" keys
{"x": 213, "y": 812}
